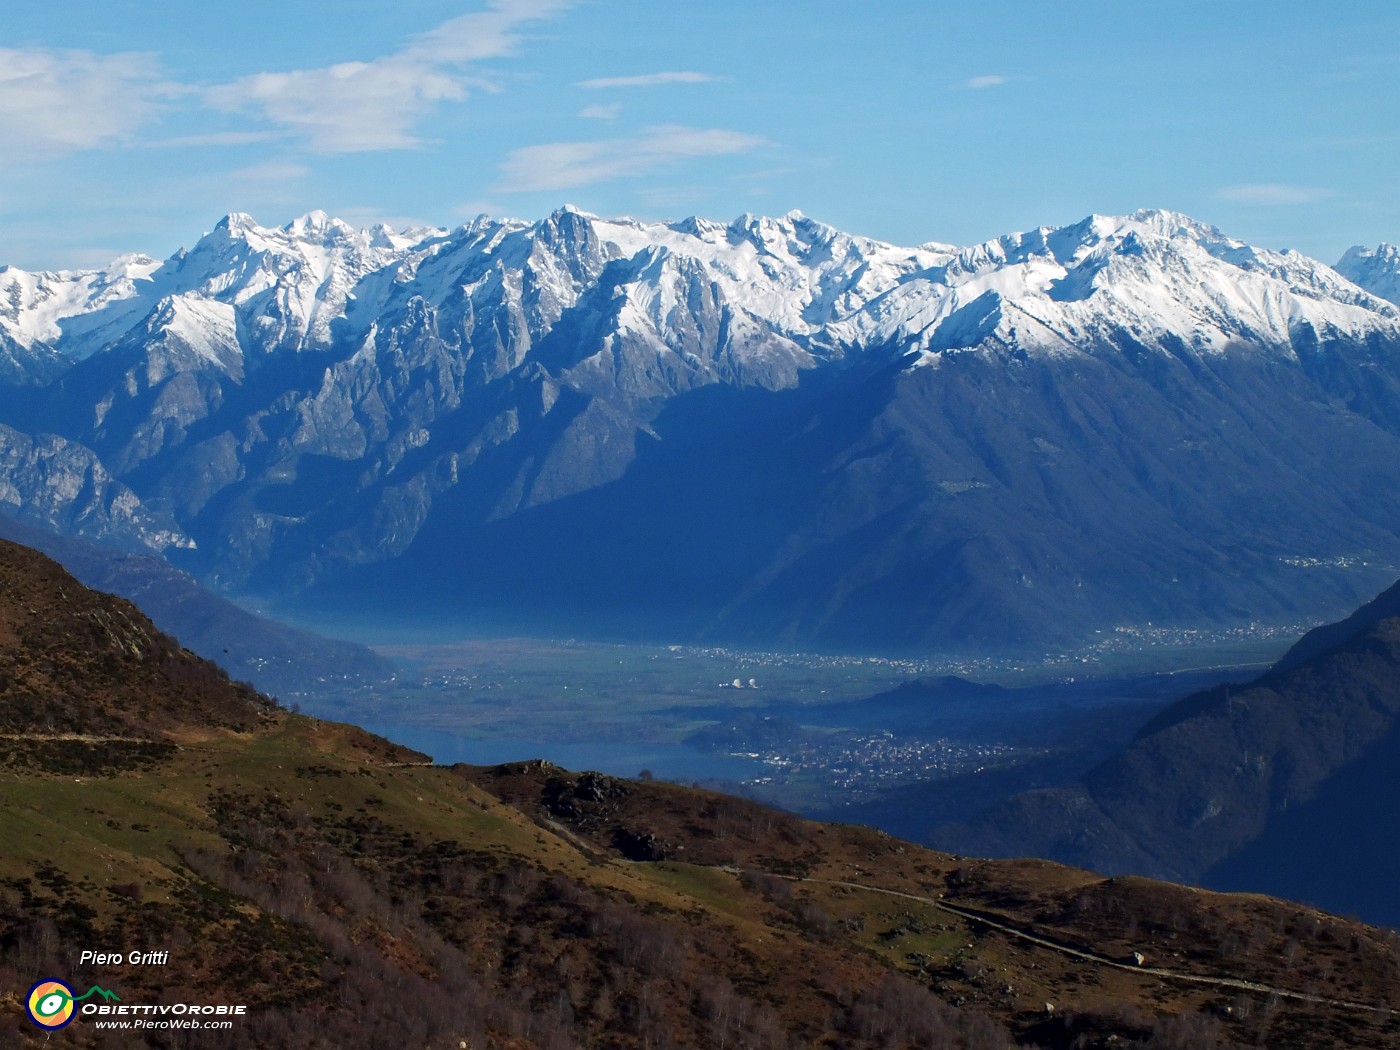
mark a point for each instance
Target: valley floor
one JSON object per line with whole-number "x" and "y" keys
{"x": 811, "y": 733}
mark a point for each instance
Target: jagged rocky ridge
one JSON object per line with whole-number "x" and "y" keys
{"x": 763, "y": 430}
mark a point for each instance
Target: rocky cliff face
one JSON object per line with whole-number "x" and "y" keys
{"x": 60, "y": 484}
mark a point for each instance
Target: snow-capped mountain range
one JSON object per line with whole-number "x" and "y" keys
{"x": 1159, "y": 273}
{"x": 298, "y": 405}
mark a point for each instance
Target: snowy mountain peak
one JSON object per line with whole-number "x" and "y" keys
{"x": 288, "y": 283}
{"x": 1164, "y": 277}
{"x": 235, "y": 222}
{"x": 1389, "y": 253}
{"x": 315, "y": 225}
{"x": 1070, "y": 244}
{"x": 695, "y": 226}
{"x": 132, "y": 266}
{"x": 42, "y": 309}
{"x": 1167, "y": 223}
{"x": 1161, "y": 278}
{"x": 1375, "y": 269}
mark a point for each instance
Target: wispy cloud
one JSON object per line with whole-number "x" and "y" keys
{"x": 1272, "y": 193}
{"x": 648, "y": 80}
{"x": 345, "y": 108}
{"x": 601, "y": 112}
{"x": 568, "y": 165}
{"x": 991, "y": 80}
{"x": 218, "y": 138}
{"x": 53, "y": 103}
{"x": 360, "y": 106}
{"x": 492, "y": 33}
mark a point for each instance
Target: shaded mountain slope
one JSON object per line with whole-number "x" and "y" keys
{"x": 1384, "y": 606}
{"x": 1255, "y": 763}
{"x": 1337, "y": 850}
{"x": 986, "y": 503}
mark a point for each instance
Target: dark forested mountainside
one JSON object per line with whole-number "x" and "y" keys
{"x": 1226, "y": 785}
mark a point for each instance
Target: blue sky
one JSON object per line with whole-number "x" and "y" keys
{"x": 136, "y": 125}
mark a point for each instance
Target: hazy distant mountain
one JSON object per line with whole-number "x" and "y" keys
{"x": 768, "y": 430}
{"x": 1282, "y": 785}
{"x": 1375, "y": 269}
{"x": 274, "y": 657}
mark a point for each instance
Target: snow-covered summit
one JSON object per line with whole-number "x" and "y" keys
{"x": 755, "y": 283}
{"x": 1157, "y": 278}
{"x": 1375, "y": 269}
{"x": 289, "y": 284}
{"x": 35, "y": 306}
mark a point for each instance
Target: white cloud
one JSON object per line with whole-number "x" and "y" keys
{"x": 601, "y": 112}
{"x": 567, "y": 165}
{"x": 648, "y": 80}
{"x": 484, "y": 34}
{"x": 345, "y": 108}
{"x": 53, "y": 103}
{"x": 358, "y": 106}
{"x": 989, "y": 81}
{"x": 219, "y": 138}
{"x": 1272, "y": 193}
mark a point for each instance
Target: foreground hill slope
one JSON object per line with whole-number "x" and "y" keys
{"x": 350, "y": 894}
{"x": 75, "y": 662}
{"x": 1282, "y": 784}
